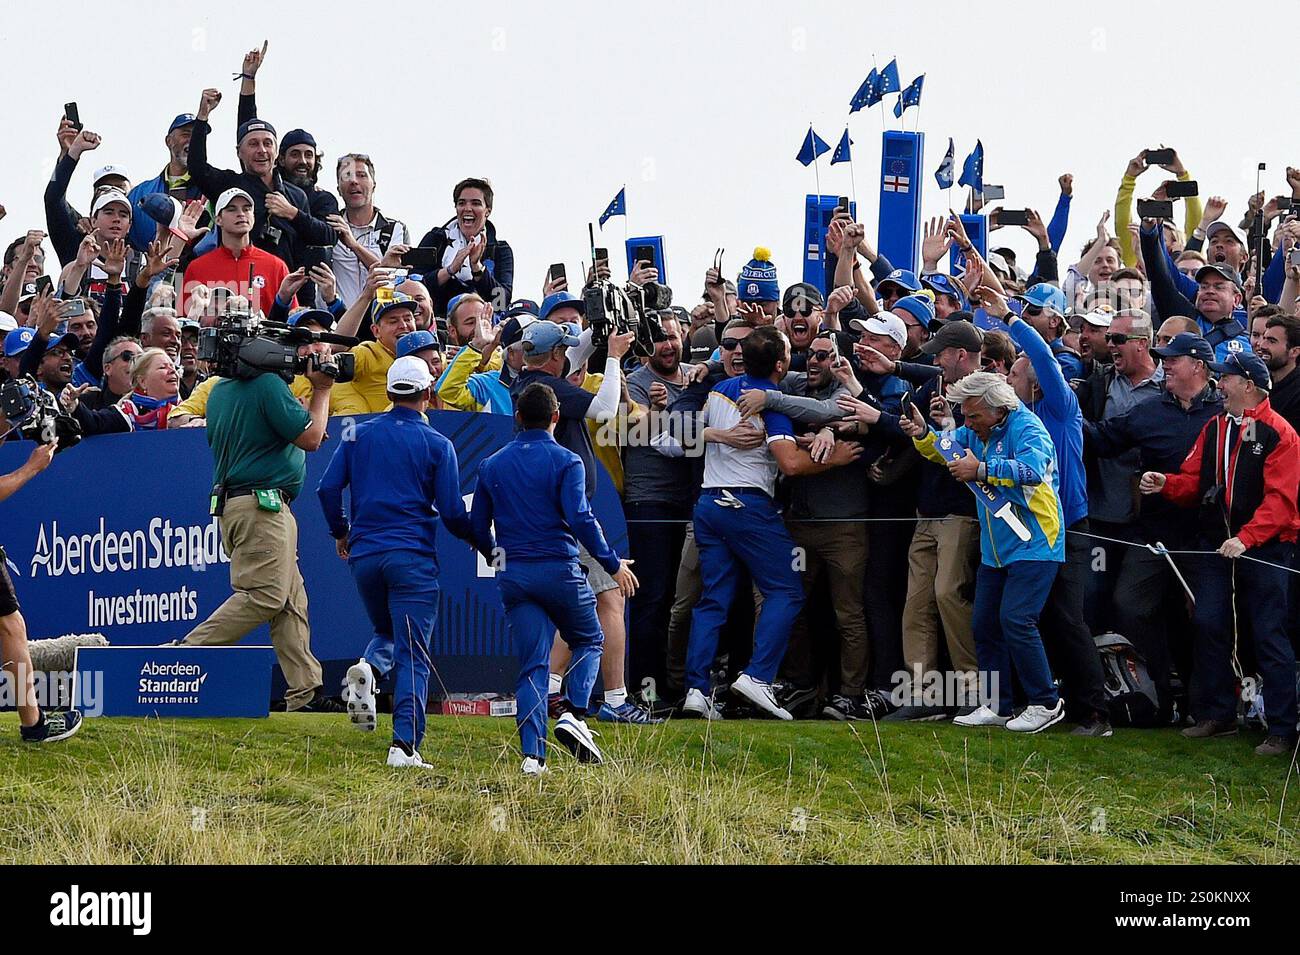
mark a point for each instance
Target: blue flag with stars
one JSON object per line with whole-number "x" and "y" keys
{"x": 911, "y": 96}
{"x": 943, "y": 175}
{"x": 868, "y": 93}
{"x": 972, "y": 171}
{"x": 842, "y": 150}
{"x": 617, "y": 207}
{"x": 889, "y": 78}
{"x": 813, "y": 146}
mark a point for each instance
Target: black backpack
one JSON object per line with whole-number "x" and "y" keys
{"x": 1130, "y": 691}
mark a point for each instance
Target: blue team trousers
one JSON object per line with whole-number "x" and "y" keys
{"x": 400, "y": 593}
{"x": 755, "y": 537}
{"x": 541, "y": 597}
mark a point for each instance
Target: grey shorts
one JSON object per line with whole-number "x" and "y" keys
{"x": 597, "y": 576}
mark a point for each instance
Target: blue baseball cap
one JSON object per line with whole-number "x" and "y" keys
{"x": 919, "y": 307}
{"x": 512, "y": 329}
{"x": 942, "y": 284}
{"x": 182, "y": 119}
{"x": 1187, "y": 344}
{"x": 64, "y": 340}
{"x": 523, "y": 306}
{"x": 318, "y": 315}
{"x": 417, "y": 341}
{"x": 399, "y": 301}
{"x": 562, "y": 300}
{"x": 1045, "y": 295}
{"x": 541, "y": 337}
{"x": 1246, "y": 364}
{"x": 16, "y": 342}
{"x": 903, "y": 279}
{"x": 297, "y": 137}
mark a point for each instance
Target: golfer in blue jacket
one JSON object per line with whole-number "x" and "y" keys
{"x": 535, "y": 492}
{"x": 403, "y": 478}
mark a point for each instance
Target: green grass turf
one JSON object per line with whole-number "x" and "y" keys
{"x": 312, "y": 789}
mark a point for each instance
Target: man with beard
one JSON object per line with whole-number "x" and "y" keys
{"x": 299, "y": 162}
{"x": 1092, "y": 340}
{"x": 1280, "y": 348}
{"x": 364, "y": 234}
{"x": 174, "y": 180}
{"x": 803, "y": 306}
{"x": 656, "y": 497}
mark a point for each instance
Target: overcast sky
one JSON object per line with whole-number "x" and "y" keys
{"x": 698, "y": 107}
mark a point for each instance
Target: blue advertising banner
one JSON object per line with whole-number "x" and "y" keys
{"x": 115, "y": 538}
{"x": 176, "y": 681}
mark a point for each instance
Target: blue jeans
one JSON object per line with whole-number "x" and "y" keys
{"x": 541, "y": 597}
{"x": 753, "y": 536}
{"x": 400, "y": 592}
{"x": 1008, "y": 601}
{"x": 1261, "y": 594}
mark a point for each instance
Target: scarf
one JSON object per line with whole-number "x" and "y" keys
{"x": 145, "y": 413}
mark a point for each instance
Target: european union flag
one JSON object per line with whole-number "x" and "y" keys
{"x": 889, "y": 78}
{"x": 943, "y": 175}
{"x": 868, "y": 93}
{"x": 813, "y": 146}
{"x": 618, "y": 207}
{"x": 842, "y": 150}
{"x": 911, "y": 96}
{"x": 972, "y": 171}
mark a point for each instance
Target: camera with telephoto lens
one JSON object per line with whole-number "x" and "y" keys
{"x": 35, "y": 413}
{"x": 245, "y": 346}
{"x": 614, "y": 310}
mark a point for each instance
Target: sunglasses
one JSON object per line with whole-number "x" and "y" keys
{"x": 1033, "y": 311}
{"x": 1120, "y": 339}
{"x": 128, "y": 356}
{"x": 731, "y": 344}
{"x": 822, "y": 354}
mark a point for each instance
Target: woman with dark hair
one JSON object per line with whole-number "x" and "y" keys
{"x": 473, "y": 258}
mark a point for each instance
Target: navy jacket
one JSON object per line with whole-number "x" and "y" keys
{"x": 534, "y": 490}
{"x": 1164, "y": 432}
{"x": 403, "y": 477}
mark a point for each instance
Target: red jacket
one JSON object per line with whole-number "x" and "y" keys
{"x": 220, "y": 268}
{"x": 1257, "y": 463}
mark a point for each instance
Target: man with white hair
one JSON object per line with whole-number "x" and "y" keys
{"x": 1005, "y": 454}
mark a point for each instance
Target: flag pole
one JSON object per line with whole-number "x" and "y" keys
{"x": 817, "y": 175}
{"x": 882, "y": 109}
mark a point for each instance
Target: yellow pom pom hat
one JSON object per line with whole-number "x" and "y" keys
{"x": 757, "y": 281}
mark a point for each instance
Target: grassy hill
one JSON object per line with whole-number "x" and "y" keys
{"x": 311, "y": 789}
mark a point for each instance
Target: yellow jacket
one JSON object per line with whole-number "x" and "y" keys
{"x": 1192, "y": 211}
{"x": 610, "y": 454}
{"x": 453, "y": 386}
{"x": 197, "y": 403}
{"x": 368, "y": 391}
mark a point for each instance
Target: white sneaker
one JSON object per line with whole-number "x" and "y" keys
{"x": 534, "y": 766}
{"x": 698, "y": 706}
{"x": 981, "y": 716}
{"x": 577, "y": 739}
{"x": 1035, "y": 719}
{"x": 760, "y": 694}
{"x": 359, "y": 695}
{"x": 398, "y": 759}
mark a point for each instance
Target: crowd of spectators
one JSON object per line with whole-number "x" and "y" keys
{"x": 964, "y": 479}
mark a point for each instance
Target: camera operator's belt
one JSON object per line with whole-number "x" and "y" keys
{"x": 248, "y": 492}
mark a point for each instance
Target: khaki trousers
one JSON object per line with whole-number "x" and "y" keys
{"x": 263, "y": 550}
{"x": 942, "y": 562}
{"x": 839, "y": 548}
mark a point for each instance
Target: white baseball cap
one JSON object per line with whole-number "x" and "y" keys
{"x": 1101, "y": 315}
{"x": 409, "y": 375}
{"x": 110, "y": 196}
{"x": 103, "y": 172}
{"x": 227, "y": 197}
{"x": 885, "y": 324}
{"x": 7, "y": 322}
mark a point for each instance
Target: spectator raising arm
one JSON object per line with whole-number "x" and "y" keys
{"x": 1061, "y": 216}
